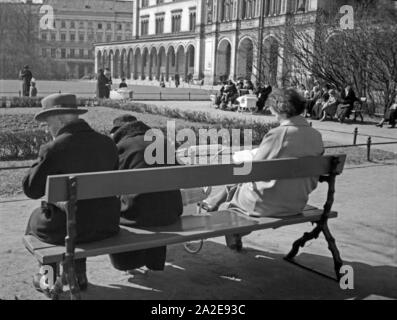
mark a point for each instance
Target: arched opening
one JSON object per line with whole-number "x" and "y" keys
{"x": 116, "y": 64}
{"x": 98, "y": 61}
{"x": 145, "y": 63}
{"x": 123, "y": 64}
{"x": 110, "y": 64}
{"x": 105, "y": 60}
{"x": 138, "y": 64}
{"x": 245, "y": 59}
{"x": 190, "y": 60}
{"x": 270, "y": 60}
{"x": 162, "y": 64}
{"x": 181, "y": 63}
{"x": 223, "y": 60}
{"x": 153, "y": 64}
{"x": 130, "y": 63}
{"x": 171, "y": 63}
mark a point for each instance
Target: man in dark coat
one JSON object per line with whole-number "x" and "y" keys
{"x": 145, "y": 210}
{"x": 263, "y": 94}
{"x": 76, "y": 148}
{"x": 348, "y": 98}
{"x": 102, "y": 83}
{"x": 26, "y": 76}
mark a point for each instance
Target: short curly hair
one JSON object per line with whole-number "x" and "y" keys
{"x": 289, "y": 102}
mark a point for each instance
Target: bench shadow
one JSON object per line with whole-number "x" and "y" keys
{"x": 218, "y": 273}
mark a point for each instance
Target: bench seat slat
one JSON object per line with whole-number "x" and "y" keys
{"x": 188, "y": 229}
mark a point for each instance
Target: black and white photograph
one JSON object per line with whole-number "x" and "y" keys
{"x": 198, "y": 156}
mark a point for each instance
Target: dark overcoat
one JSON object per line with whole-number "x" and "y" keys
{"x": 144, "y": 210}
{"x": 102, "y": 87}
{"x": 76, "y": 149}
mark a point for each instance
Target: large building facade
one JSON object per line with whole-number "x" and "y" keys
{"x": 78, "y": 24}
{"x": 211, "y": 40}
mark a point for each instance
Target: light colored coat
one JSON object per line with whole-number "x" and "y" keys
{"x": 293, "y": 138}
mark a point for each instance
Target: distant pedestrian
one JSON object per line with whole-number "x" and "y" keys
{"x": 101, "y": 85}
{"x": 109, "y": 82}
{"x": 177, "y": 80}
{"x": 33, "y": 89}
{"x": 26, "y": 76}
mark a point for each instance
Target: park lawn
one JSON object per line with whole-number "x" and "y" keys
{"x": 101, "y": 118}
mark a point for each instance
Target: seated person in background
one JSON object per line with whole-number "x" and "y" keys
{"x": 318, "y": 107}
{"x": 76, "y": 148}
{"x": 390, "y": 116}
{"x": 294, "y": 138}
{"x": 329, "y": 107}
{"x": 123, "y": 84}
{"x": 230, "y": 94}
{"x": 315, "y": 96}
{"x": 145, "y": 210}
{"x": 219, "y": 95}
{"x": 263, "y": 94}
{"x": 348, "y": 98}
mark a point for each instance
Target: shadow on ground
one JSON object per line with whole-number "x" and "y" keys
{"x": 221, "y": 274}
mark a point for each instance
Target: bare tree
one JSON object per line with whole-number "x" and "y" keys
{"x": 365, "y": 56}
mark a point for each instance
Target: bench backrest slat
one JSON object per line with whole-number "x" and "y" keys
{"x": 113, "y": 183}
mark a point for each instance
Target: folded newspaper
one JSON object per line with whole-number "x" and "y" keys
{"x": 244, "y": 156}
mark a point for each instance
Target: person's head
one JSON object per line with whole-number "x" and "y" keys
{"x": 33, "y": 84}
{"x": 287, "y": 103}
{"x": 121, "y": 121}
{"x": 100, "y": 71}
{"x": 26, "y": 67}
{"x": 58, "y": 110}
{"x": 123, "y": 80}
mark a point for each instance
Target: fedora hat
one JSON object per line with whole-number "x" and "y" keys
{"x": 57, "y": 104}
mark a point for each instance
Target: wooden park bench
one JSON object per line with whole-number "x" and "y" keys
{"x": 72, "y": 188}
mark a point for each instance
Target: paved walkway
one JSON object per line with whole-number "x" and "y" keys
{"x": 366, "y": 233}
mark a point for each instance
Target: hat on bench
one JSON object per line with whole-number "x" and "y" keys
{"x": 57, "y": 104}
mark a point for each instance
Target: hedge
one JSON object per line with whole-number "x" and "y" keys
{"x": 28, "y": 102}
{"x": 22, "y": 145}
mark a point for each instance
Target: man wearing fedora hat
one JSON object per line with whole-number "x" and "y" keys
{"x": 76, "y": 148}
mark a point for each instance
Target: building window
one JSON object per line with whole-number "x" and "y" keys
{"x": 72, "y": 53}
{"x": 53, "y": 53}
{"x": 72, "y": 25}
{"x": 160, "y": 25}
{"x": 176, "y": 22}
{"x": 44, "y": 36}
{"x": 72, "y": 37}
{"x": 81, "y": 37}
{"x": 108, "y": 38}
{"x": 144, "y": 27}
{"x": 209, "y": 11}
{"x": 44, "y": 52}
{"x": 109, "y": 26}
{"x": 100, "y": 26}
{"x": 63, "y": 36}
{"x": 145, "y": 3}
{"x": 99, "y": 37}
{"x": 63, "y": 24}
{"x": 192, "y": 21}
{"x": 81, "y": 53}
{"x": 63, "y": 53}
{"x": 119, "y": 27}
{"x": 53, "y": 36}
